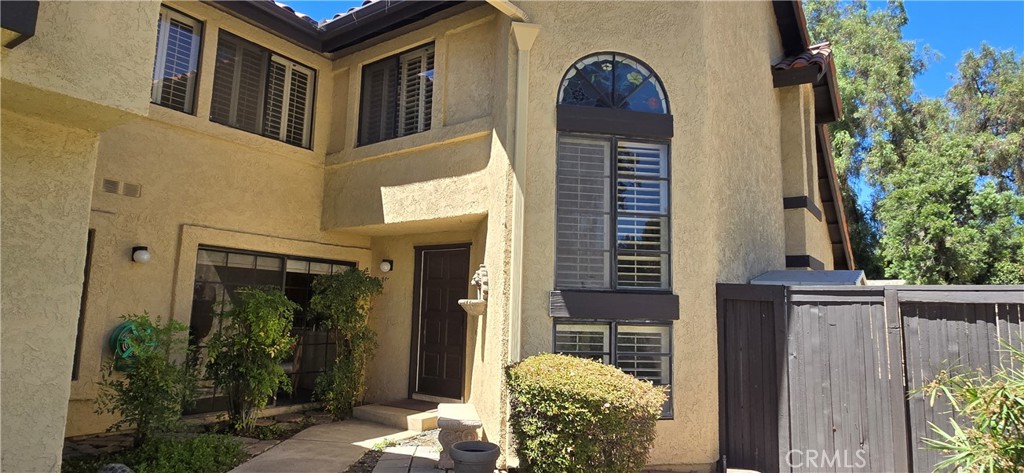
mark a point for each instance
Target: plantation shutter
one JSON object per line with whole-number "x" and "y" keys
{"x": 377, "y": 104}
{"x": 277, "y": 83}
{"x": 177, "y": 58}
{"x": 299, "y": 113}
{"x": 583, "y": 214}
{"x": 238, "y": 84}
{"x": 641, "y": 229}
{"x": 416, "y": 90}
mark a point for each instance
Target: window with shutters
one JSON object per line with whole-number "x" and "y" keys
{"x": 262, "y": 92}
{"x": 397, "y": 96}
{"x": 643, "y": 350}
{"x": 612, "y": 203}
{"x": 176, "y": 68}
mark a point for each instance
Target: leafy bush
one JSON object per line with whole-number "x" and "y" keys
{"x": 342, "y": 303}
{"x": 246, "y": 354}
{"x": 202, "y": 454}
{"x": 570, "y": 414}
{"x": 993, "y": 438}
{"x": 151, "y": 394}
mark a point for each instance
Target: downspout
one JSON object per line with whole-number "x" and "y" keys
{"x": 524, "y": 35}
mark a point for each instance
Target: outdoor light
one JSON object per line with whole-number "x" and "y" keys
{"x": 140, "y": 254}
{"x": 386, "y": 266}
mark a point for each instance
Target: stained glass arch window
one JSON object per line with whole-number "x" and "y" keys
{"x": 613, "y": 80}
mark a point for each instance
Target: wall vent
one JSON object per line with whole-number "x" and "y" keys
{"x": 111, "y": 186}
{"x": 127, "y": 189}
{"x": 131, "y": 190}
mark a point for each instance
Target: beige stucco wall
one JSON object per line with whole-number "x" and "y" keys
{"x": 208, "y": 184}
{"x": 84, "y": 71}
{"x": 726, "y": 185}
{"x": 202, "y": 184}
{"x": 46, "y": 181}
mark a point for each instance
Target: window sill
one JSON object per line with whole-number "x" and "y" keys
{"x": 610, "y": 305}
{"x": 411, "y": 143}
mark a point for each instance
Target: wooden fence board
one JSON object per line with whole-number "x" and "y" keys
{"x": 837, "y": 370}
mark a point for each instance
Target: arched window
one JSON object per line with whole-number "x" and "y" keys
{"x": 613, "y": 296}
{"x": 613, "y": 80}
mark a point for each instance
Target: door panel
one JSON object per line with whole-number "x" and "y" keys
{"x": 441, "y": 335}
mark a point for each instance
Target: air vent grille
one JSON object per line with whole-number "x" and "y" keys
{"x": 127, "y": 189}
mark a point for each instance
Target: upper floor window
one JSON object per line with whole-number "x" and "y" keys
{"x": 176, "y": 67}
{"x": 397, "y": 95}
{"x": 259, "y": 91}
{"x": 612, "y": 203}
{"x": 613, "y": 81}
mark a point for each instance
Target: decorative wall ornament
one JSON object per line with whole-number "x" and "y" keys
{"x": 477, "y": 306}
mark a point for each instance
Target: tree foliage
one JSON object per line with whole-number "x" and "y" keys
{"x": 342, "y": 303}
{"x": 150, "y": 395}
{"x": 944, "y": 175}
{"x": 246, "y": 354}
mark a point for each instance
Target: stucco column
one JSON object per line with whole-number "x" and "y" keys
{"x": 524, "y": 35}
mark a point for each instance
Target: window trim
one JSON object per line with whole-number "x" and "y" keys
{"x": 311, "y": 97}
{"x": 161, "y": 52}
{"x": 397, "y": 58}
{"x": 613, "y": 283}
{"x": 613, "y": 331}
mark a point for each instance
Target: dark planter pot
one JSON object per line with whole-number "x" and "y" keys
{"x": 475, "y": 457}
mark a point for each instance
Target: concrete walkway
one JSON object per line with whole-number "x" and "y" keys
{"x": 408, "y": 460}
{"x": 326, "y": 448}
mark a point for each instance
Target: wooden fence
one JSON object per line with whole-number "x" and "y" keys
{"x": 824, "y": 378}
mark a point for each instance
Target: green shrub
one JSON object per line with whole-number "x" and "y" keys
{"x": 342, "y": 302}
{"x": 202, "y": 454}
{"x": 246, "y": 354}
{"x": 151, "y": 394}
{"x": 992, "y": 438}
{"x": 575, "y": 415}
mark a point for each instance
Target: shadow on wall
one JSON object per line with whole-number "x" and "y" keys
{"x": 437, "y": 183}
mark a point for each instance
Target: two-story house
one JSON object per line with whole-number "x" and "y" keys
{"x": 607, "y": 163}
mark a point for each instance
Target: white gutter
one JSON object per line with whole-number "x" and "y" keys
{"x": 513, "y": 12}
{"x": 524, "y": 35}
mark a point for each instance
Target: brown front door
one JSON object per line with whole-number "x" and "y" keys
{"x": 439, "y": 323}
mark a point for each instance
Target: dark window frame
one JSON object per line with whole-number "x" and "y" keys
{"x": 265, "y": 85}
{"x": 199, "y": 62}
{"x": 89, "y": 249}
{"x": 668, "y": 412}
{"x": 395, "y": 112}
{"x": 613, "y": 283}
{"x": 281, "y": 285}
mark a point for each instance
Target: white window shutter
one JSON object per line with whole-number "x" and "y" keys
{"x": 416, "y": 90}
{"x": 583, "y": 214}
{"x": 177, "y": 61}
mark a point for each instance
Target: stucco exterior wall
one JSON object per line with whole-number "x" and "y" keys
{"x": 46, "y": 185}
{"x": 202, "y": 183}
{"x": 726, "y": 188}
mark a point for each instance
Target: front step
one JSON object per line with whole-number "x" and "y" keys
{"x": 397, "y": 417}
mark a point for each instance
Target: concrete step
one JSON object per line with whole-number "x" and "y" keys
{"x": 397, "y": 417}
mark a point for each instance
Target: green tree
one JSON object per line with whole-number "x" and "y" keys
{"x": 156, "y": 385}
{"x": 875, "y": 68}
{"x": 246, "y": 354}
{"x": 945, "y": 175}
{"x": 342, "y": 303}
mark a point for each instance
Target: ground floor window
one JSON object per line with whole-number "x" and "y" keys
{"x": 220, "y": 272}
{"x": 641, "y": 349}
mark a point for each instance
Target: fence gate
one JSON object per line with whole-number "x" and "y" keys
{"x": 824, "y": 379}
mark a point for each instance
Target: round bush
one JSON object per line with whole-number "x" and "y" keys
{"x": 575, "y": 415}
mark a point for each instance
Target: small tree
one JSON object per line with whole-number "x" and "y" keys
{"x": 993, "y": 439}
{"x": 156, "y": 385}
{"x": 342, "y": 302}
{"x": 246, "y": 354}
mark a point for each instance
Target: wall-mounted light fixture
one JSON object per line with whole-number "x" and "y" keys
{"x": 140, "y": 254}
{"x": 387, "y": 265}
